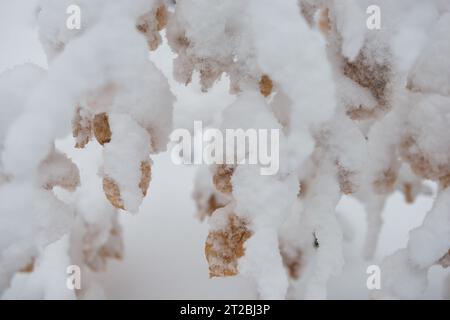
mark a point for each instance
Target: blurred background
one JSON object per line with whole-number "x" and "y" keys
{"x": 164, "y": 242}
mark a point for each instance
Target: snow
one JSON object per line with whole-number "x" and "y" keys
{"x": 61, "y": 205}
{"x": 435, "y": 232}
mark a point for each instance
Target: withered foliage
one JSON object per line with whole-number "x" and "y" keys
{"x": 222, "y": 178}
{"x": 112, "y": 193}
{"x": 151, "y": 23}
{"x": 29, "y": 267}
{"x": 445, "y": 260}
{"x": 408, "y": 192}
{"x": 421, "y": 165}
{"x": 101, "y": 127}
{"x": 265, "y": 85}
{"x": 373, "y": 76}
{"x": 146, "y": 176}
{"x": 206, "y": 209}
{"x": 385, "y": 181}
{"x": 81, "y": 128}
{"x": 292, "y": 262}
{"x": 224, "y": 247}
{"x": 96, "y": 252}
{"x": 345, "y": 179}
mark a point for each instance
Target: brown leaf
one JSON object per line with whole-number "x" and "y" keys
{"x": 445, "y": 260}
{"x": 112, "y": 192}
{"x": 222, "y": 178}
{"x": 146, "y": 176}
{"x": 265, "y": 85}
{"x": 224, "y": 247}
{"x": 81, "y": 128}
{"x": 29, "y": 267}
{"x": 102, "y": 130}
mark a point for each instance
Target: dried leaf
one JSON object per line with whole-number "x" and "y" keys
{"x": 112, "y": 193}
{"x": 102, "y": 130}
{"x": 146, "y": 175}
{"x": 265, "y": 85}
{"x": 222, "y": 178}
{"x": 224, "y": 247}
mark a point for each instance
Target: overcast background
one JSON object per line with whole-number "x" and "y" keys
{"x": 164, "y": 243}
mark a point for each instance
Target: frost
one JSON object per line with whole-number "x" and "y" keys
{"x": 359, "y": 114}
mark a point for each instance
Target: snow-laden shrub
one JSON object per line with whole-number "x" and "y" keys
{"x": 354, "y": 119}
